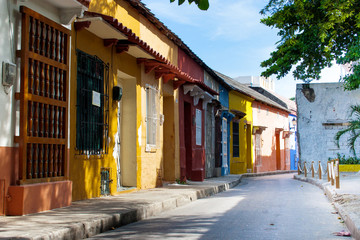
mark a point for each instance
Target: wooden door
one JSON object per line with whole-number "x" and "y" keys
{"x": 43, "y": 99}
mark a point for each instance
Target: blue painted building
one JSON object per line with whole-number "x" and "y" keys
{"x": 224, "y": 119}
{"x": 294, "y": 155}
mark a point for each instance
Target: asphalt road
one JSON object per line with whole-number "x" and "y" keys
{"x": 270, "y": 207}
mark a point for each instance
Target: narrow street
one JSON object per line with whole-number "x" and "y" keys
{"x": 270, "y": 207}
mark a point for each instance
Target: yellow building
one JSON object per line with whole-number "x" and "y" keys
{"x": 240, "y": 105}
{"x": 241, "y": 159}
{"x": 117, "y": 143}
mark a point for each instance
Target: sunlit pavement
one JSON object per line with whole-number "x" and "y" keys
{"x": 268, "y": 207}
{"x": 346, "y": 199}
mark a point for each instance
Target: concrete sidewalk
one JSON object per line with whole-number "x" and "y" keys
{"x": 346, "y": 200}
{"x": 90, "y": 217}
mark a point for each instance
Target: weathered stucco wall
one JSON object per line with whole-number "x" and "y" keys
{"x": 272, "y": 119}
{"x": 322, "y": 108}
{"x": 158, "y": 41}
{"x": 85, "y": 170}
{"x": 120, "y": 10}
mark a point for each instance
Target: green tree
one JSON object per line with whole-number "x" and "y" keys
{"x": 353, "y": 129}
{"x": 313, "y": 33}
{"x": 202, "y": 4}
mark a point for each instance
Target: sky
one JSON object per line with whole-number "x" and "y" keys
{"x": 229, "y": 37}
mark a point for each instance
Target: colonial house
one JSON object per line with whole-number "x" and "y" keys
{"x": 264, "y": 150}
{"x": 259, "y": 131}
{"x": 35, "y": 55}
{"x": 194, "y": 99}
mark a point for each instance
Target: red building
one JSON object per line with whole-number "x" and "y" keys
{"x": 192, "y": 99}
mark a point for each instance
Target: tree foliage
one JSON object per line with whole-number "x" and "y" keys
{"x": 202, "y": 4}
{"x": 313, "y": 33}
{"x": 353, "y": 129}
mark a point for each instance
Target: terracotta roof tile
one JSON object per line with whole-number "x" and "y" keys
{"x": 146, "y": 12}
{"x": 135, "y": 39}
{"x": 242, "y": 88}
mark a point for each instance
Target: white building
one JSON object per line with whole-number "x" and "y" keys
{"x": 257, "y": 81}
{"x": 322, "y": 110}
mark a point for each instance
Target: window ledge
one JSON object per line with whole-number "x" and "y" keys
{"x": 150, "y": 149}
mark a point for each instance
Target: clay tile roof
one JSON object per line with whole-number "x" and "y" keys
{"x": 135, "y": 39}
{"x": 142, "y": 9}
{"x": 242, "y": 88}
{"x": 131, "y": 36}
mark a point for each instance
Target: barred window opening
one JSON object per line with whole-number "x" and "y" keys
{"x": 236, "y": 141}
{"x": 92, "y": 108}
{"x": 151, "y": 116}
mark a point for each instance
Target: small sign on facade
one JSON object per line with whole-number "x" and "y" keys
{"x": 96, "y": 99}
{"x": 198, "y": 126}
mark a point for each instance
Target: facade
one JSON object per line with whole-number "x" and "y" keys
{"x": 266, "y": 146}
{"x": 222, "y": 128}
{"x": 241, "y": 158}
{"x": 140, "y": 140}
{"x": 189, "y": 89}
{"x": 193, "y": 101}
{"x": 323, "y": 110}
{"x": 108, "y": 101}
{"x": 271, "y": 138}
{"x": 278, "y": 154}
{"x": 294, "y": 152}
{"x": 240, "y": 144}
{"x": 98, "y": 149}
{"x": 211, "y": 169}
{"x": 34, "y": 173}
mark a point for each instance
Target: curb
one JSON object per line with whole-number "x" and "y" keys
{"x": 100, "y": 224}
{"x": 269, "y": 173}
{"x": 331, "y": 195}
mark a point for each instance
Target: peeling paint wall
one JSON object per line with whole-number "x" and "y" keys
{"x": 321, "y": 112}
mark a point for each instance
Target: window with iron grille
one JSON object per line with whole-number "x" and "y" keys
{"x": 92, "y": 106}
{"x": 198, "y": 117}
{"x": 151, "y": 116}
{"x": 236, "y": 139}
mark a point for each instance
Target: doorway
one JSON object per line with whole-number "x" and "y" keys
{"x": 117, "y": 149}
{"x": 188, "y": 138}
{"x": 249, "y": 163}
{"x": 257, "y": 151}
{"x": 225, "y": 165}
{"x": 169, "y": 139}
{"x": 277, "y": 148}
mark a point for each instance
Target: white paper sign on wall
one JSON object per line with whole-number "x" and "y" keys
{"x": 96, "y": 99}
